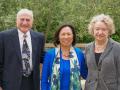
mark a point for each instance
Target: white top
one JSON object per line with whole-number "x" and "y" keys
{"x": 28, "y": 39}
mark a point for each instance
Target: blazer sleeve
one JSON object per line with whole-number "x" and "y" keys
{"x": 117, "y": 62}
{"x": 83, "y": 66}
{"x": 42, "y": 38}
{"x": 1, "y": 59}
{"x": 46, "y": 70}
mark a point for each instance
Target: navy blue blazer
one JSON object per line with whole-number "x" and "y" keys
{"x": 11, "y": 61}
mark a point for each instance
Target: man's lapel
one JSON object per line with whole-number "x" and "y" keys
{"x": 16, "y": 43}
{"x": 34, "y": 47}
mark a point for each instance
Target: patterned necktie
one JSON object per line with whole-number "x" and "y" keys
{"x": 26, "y": 58}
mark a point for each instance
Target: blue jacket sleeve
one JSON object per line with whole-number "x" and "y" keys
{"x": 46, "y": 70}
{"x": 83, "y": 65}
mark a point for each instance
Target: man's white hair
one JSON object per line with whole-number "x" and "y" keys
{"x": 25, "y": 11}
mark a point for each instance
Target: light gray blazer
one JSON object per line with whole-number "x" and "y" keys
{"x": 105, "y": 76}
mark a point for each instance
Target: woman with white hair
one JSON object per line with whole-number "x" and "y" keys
{"x": 102, "y": 56}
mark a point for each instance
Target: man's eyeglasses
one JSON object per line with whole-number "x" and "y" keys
{"x": 23, "y": 19}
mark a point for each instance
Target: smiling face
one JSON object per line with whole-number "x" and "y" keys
{"x": 66, "y": 37}
{"x": 24, "y": 22}
{"x": 100, "y": 31}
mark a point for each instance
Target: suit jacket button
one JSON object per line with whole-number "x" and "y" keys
{"x": 99, "y": 69}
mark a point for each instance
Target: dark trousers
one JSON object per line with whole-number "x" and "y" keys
{"x": 27, "y": 83}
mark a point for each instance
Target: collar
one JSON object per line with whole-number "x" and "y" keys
{"x": 21, "y": 34}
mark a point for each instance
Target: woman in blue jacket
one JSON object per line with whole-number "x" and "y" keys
{"x": 63, "y": 65}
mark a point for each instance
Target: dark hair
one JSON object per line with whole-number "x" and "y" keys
{"x": 56, "y": 36}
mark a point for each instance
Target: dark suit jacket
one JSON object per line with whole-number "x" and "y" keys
{"x": 11, "y": 61}
{"x": 105, "y": 76}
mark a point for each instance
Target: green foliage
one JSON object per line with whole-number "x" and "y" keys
{"x": 49, "y": 14}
